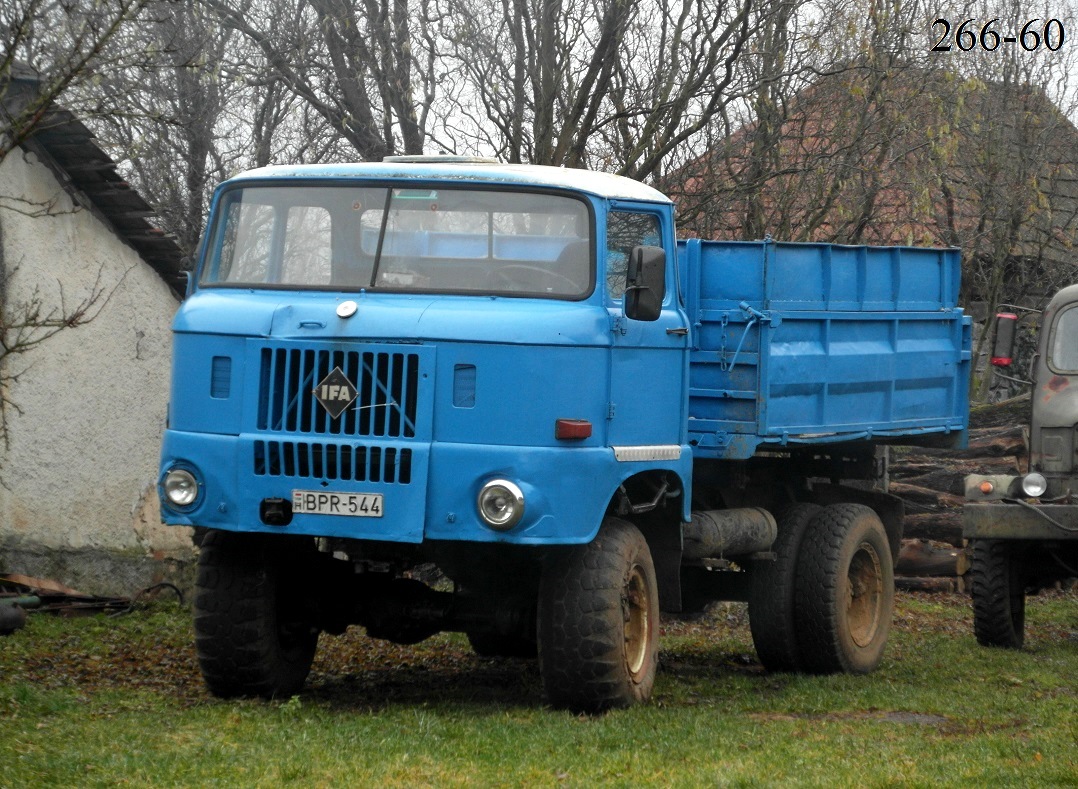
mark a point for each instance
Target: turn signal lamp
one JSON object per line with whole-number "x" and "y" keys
{"x": 986, "y": 487}
{"x": 572, "y": 429}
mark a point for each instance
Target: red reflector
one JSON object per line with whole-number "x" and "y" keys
{"x": 1001, "y": 361}
{"x": 569, "y": 429}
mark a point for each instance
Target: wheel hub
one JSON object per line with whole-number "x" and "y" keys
{"x": 864, "y": 594}
{"x": 637, "y": 622}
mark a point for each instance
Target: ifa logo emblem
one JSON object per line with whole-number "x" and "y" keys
{"x": 335, "y": 393}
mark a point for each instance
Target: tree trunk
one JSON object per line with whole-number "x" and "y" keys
{"x": 921, "y": 559}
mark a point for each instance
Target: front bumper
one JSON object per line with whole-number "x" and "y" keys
{"x": 566, "y": 489}
{"x": 1018, "y": 520}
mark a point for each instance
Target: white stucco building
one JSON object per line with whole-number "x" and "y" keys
{"x": 87, "y": 409}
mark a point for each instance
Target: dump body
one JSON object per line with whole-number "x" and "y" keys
{"x": 819, "y": 343}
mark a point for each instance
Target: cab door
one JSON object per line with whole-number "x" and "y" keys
{"x": 649, "y": 361}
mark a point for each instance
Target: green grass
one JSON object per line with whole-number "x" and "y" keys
{"x": 118, "y": 701}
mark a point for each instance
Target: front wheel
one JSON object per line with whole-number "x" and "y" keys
{"x": 599, "y": 622}
{"x": 252, "y": 633}
{"x": 999, "y": 595}
{"x": 846, "y": 591}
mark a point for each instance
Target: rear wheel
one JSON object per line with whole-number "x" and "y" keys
{"x": 252, "y": 632}
{"x": 999, "y": 595}
{"x": 599, "y": 622}
{"x": 846, "y": 591}
{"x": 772, "y": 601}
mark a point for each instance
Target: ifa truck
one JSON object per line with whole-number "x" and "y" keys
{"x": 1023, "y": 528}
{"x": 515, "y": 380}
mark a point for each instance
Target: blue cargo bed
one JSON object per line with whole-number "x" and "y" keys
{"x": 818, "y": 343}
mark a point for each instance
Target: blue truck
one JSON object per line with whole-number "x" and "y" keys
{"x": 518, "y": 375}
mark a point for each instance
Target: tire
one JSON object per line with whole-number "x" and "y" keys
{"x": 599, "y": 622}
{"x": 998, "y": 591}
{"x": 772, "y": 599}
{"x": 846, "y": 591}
{"x": 252, "y": 635}
{"x": 500, "y": 645}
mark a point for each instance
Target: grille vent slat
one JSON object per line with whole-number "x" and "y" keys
{"x": 332, "y": 461}
{"x": 387, "y": 383}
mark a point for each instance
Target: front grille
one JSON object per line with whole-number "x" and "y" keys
{"x": 387, "y": 384}
{"x": 332, "y": 461}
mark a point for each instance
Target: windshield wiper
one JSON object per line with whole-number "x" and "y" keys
{"x": 381, "y": 237}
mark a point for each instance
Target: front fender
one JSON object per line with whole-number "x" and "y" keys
{"x": 567, "y": 491}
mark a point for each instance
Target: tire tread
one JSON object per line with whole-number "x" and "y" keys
{"x": 581, "y": 639}
{"x": 821, "y": 569}
{"x": 235, "y": 620}
{"x": 773, "y": 601}
{"x": 998, "y": 595}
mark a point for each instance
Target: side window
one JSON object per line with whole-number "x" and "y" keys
{"x": 624, "y": 231}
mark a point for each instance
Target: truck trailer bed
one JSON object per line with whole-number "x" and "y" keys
{"x": 819, "y": 343}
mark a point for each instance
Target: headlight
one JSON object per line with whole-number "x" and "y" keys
{"x": 180, "y": 487}
{"x": 1034, "y": 485}
{"x": 501, "y": 504}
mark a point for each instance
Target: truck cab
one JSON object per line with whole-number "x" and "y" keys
{"x": 1054, "y": 418}
{"x": 398, "y": 340}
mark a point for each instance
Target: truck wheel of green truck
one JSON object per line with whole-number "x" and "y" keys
{"x": 999, "y": 595}
{"x": 599, "y": 622}
{"x": 772, "y": 602}
{"x": 251, "y": 633}
{"x": 845, "y": 590}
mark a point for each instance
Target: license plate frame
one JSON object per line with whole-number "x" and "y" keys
{"x": 349, "y": 505}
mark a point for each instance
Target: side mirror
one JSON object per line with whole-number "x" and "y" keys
{"x": 1003, "y": 347}
{"x": 645, "y": 286}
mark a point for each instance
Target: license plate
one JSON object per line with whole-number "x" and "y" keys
{"x": 320, "y": 502}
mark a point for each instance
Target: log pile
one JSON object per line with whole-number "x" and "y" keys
{"x": 931, "y": 484}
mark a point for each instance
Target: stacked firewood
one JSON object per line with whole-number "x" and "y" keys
{"x": 931, "y": 484}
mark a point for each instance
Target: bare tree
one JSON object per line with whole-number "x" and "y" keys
{"x": 609, "y": 84}
{"x": 815, "y": 148}
{"x": 46, "y": 48}
{"x": 29, "y": 321}
{"x": 1008, "y": 185}
{"x": 169, "y": 127}
{"x": 367, "y": 68}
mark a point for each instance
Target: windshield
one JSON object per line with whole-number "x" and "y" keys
{"x": 446, "y": 240}
{"x": 1063, "y": 353}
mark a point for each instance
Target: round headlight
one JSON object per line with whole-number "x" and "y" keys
{"x": 181, "y": 487}
{"x": 1034, "y": 485}
{"x": 501, "y": 504}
